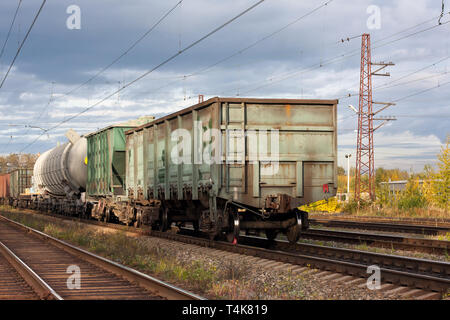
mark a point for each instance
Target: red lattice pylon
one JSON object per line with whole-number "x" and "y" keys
{"x": 365, "y": 176}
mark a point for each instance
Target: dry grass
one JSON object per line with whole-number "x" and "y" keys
{"x": 377, "y": 210}
{"x": 214, "y": 279}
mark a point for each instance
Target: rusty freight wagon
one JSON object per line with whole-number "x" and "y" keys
{"x": 4, "y": 188}
{"x": 231, "y": 164}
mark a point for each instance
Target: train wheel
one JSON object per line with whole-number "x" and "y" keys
{"x": 196, "y": 226}
{"x": 293, "y": 232}
{"x": 233, "y": 228}
{"x": 271, "y": 234}
{"x": 164, "y": 223}
{"x": 138, "y": 222}
{"x": 107, "y": 215}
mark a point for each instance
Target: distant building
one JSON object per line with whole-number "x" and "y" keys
{"x": 399, "y": 185}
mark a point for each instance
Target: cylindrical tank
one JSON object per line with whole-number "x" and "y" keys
{"x": 62, "y": 171}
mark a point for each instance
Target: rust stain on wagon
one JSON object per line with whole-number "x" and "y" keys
{"x": 288, "y": 110}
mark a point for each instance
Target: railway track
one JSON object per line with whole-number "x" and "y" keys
{"x": 425, "y": 277}
{"x": 420, "y": 275}
{"x": 382, "y": 226}
{"x": 438, "y": 222}
{"x": 12, "y": 284}
{"x": 394, "y": 242}
{"x": 40, "y": 266}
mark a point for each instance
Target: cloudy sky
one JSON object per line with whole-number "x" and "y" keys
{"x": 281, "y": 48}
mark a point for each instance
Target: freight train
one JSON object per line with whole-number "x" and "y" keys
{"x": 224, "y": 165}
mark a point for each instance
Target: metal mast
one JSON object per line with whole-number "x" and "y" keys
{"x": 365, "y": 166}
{"x": 364, "y": 152}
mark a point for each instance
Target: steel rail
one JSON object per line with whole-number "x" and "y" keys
{"x": 42, "y": 289}
{"x": 439, "y": 222}
{"x": 380, "y": 240}
{"x": 418, "y": 273}
{"x": 153, "y": 284}
{"x": 382, "y": 226}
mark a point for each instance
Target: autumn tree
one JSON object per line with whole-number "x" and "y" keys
{"x": 14, "y": 161}
{"x": 442, "y": 177}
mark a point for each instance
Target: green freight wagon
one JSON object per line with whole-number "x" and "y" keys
{"x": 106, "y": 161}
{"x": 19, "y": 187}
{"x": 20, "y": 181}
{"x": 231, "y": 164}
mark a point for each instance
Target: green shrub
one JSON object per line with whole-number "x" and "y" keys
{"x": 352, "y": 205}
{"x": 412, "y": 197}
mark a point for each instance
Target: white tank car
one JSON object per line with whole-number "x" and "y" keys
{"x": 62, "y": 171}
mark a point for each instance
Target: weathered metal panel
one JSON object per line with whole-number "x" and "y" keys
{"x": 130, "y": 163}
{"x": 4, "y": 185}
{"x": 20, "y": 180}
{"x": 301, "y": 132}
{"x": 106, "y": 165}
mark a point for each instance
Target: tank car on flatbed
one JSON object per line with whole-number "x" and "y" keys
{"x": 59, "y": 177}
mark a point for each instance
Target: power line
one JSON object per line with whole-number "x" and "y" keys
{"x": 411, "y": 81}
{"x": 23, "y": 41}
{"x": 43, "y": 111}
{"x": 421, "y": 69}
{"x": 440, "y": 116}
{"x": 135, "y": 43}
{"x": 240, "y": 51}
{"x": 388, "y": 85}
{"x": 149, "y": 71}
{"x": 7, "y": 145}
{"x": 422, "y": 91}
{"x": 334, "y": 43}
{"x": 10, "y": 28}
{"x": 344, "y": 56}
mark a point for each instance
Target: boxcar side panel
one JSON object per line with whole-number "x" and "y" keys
{"x": 106, "y": 162}
{"x": 301, "y": 132}
{"x": 303, "y": 136}
{"x": 4, "y": 186}
{"x": 20, "y": 180}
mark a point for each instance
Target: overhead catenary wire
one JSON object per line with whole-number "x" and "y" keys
{"x": 421, "y": 91}
{"x": 113, "y": 62}
{"x": 397, "y": 40}
{"x": 389, "y": 84}
{"x": 134, "y": 44}
{"x": 341, "y": 57}
{"x": 43, "y": 111}
{"x": 441, "y": 74}
{"x": 242, "y": 50}
{"x": 22, "y": 43}
{"x": 10, "y": 29}
{"x": 149, "y": 71}
{"x": 337, "y": 59}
